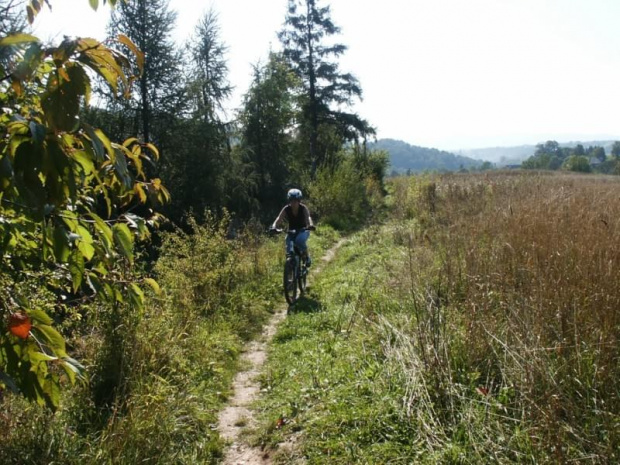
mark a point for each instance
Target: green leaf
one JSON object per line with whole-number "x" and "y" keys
{"x": 123, "y": 39}
{"x": 94, "y": 4}
{"x": 136, "y": 296}
{"x": 61, "y": 107}
{"x": 38, "y": 132}
{"x": 16, "y": 39}
{"x": 8, "y": 382}
{"x": 104, "y": 231}
{"x": 38, "y": 357}
{"x": 151, "y": 282}
{"x": 51, "y": 338}
{"x": 97, "y": 145}
{"x": 61, "y": 101}
{"x": 123, "y": 240}
{"x": 153, "y": 149}
{"x": 51, "y": 391}
{"x": 86, "y": 249}
{"x": 70, "y": 219}
{"x": 102, "y": 289}
{"x": 61, "y": 244}
{"x": 39, "y": 317}
{"x": 120, "y": 163}
{"x": 76, "y": 268}
{"x": 84, "y": 233}
{"x": 104, "y": 61}
{"x": 106, "y": 143}
{"x": 73, "y": 368}
{"x": 31, "y": 61}
{"x": 85, "y": 161}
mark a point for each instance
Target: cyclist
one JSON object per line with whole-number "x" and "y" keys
{"x": 298, "y": 218}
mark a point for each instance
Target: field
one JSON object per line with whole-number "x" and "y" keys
{"x": 475, "y": 321}
{"x": 478, "y": 324}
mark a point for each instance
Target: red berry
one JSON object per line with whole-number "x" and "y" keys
{"x": 19, "y": 325}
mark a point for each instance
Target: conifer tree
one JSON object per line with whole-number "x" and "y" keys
{"x": 207, "y": 165}
{"x": 158, "y": 89}
{"x": 304, "y": 37}
{"x": 266, "y": 118}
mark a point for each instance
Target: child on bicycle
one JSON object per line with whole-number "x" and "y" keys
{"x": 298, "y": 218}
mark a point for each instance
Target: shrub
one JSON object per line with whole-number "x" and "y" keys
{"x": 347, "y": 195}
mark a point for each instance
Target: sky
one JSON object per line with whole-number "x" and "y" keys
{"x": 449, "y": 74}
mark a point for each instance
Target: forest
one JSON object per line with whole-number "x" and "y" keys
{"x": 114, "y": 150}
{"x": 103, "y": 143}
{"x": 451, "y": 318}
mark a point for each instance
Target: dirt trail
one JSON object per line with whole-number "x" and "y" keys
{"x": 237, "y": 414}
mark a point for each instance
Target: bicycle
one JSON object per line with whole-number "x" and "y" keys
{"x": 295, "y": 269}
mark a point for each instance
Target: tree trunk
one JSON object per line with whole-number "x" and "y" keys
{"x": 314, "y": 120}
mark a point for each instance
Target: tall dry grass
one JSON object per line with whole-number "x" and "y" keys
{"x": 521, "y": 301}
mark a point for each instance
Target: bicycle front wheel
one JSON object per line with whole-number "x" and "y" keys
{"x": 301, "y": 280}
{"x": 290, "y": 281}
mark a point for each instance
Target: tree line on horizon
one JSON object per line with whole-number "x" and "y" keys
{"x": 551, "y": 156}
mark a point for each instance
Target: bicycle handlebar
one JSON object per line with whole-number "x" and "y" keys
{"x": 290, "y": 231}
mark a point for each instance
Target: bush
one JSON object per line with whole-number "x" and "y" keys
{"x": 158, "y": 378}
{"x": 347, "y": 195}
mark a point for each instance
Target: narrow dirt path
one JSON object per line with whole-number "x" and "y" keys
{"x": 237, "y": 414}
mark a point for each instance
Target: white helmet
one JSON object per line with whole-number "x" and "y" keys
{"x": 294, "y": 194}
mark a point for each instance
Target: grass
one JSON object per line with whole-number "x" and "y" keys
{"x": 157, "y": 381}
{"x": 479, "y": 325}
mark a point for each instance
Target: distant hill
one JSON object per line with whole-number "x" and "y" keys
{"x": 503, "y": 156}
{"x": 404, "y": 157}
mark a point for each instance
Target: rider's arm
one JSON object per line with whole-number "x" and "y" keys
{"x": 279, "y": 219}
{"x": 309, "y": 223}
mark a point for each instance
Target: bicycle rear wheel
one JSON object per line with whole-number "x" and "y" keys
{"x": 290, "y": 281}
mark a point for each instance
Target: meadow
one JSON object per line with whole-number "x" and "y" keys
{"x": 476, "y": 320}
{"x": 477, "y": 324}
{"x": 156, "y": 380}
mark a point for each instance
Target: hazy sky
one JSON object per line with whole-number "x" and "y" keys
{"x": 439, "y": 73}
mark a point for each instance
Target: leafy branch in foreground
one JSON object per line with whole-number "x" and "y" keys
{"x": 67, "y": 193}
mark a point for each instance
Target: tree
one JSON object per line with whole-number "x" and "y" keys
{"x": 204, "y": 164}
{"x": 158, "y": 102}
{"x": 12, "y": 21}
{"x": 12, "y": 18}
{"x": 486, "y": 165}
{"x": 307, "y": 26}
{"x": 599, "y": 153}
{"x": 66, "y": 196}
{"x": 266, "y": 120}
{"x": 615, "y": 149}
{"x": 548, "y": 156}
{"x": 577, "y": 163}
{"x": 157, "y": 99}
{"x": 579, "y": 150}
{"x": 210, "y": 86}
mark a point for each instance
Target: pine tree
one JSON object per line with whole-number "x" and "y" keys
{"x": 266, "y": 120}
{"x": 210, "y": 86}
{"x": 304, "y": 38}
{"x": 158, "y": 95}
{"x": 205, "y": 164}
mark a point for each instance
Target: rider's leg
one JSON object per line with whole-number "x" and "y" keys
{"x": 289, "y": 244}
{"x": 300, "y": 241}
